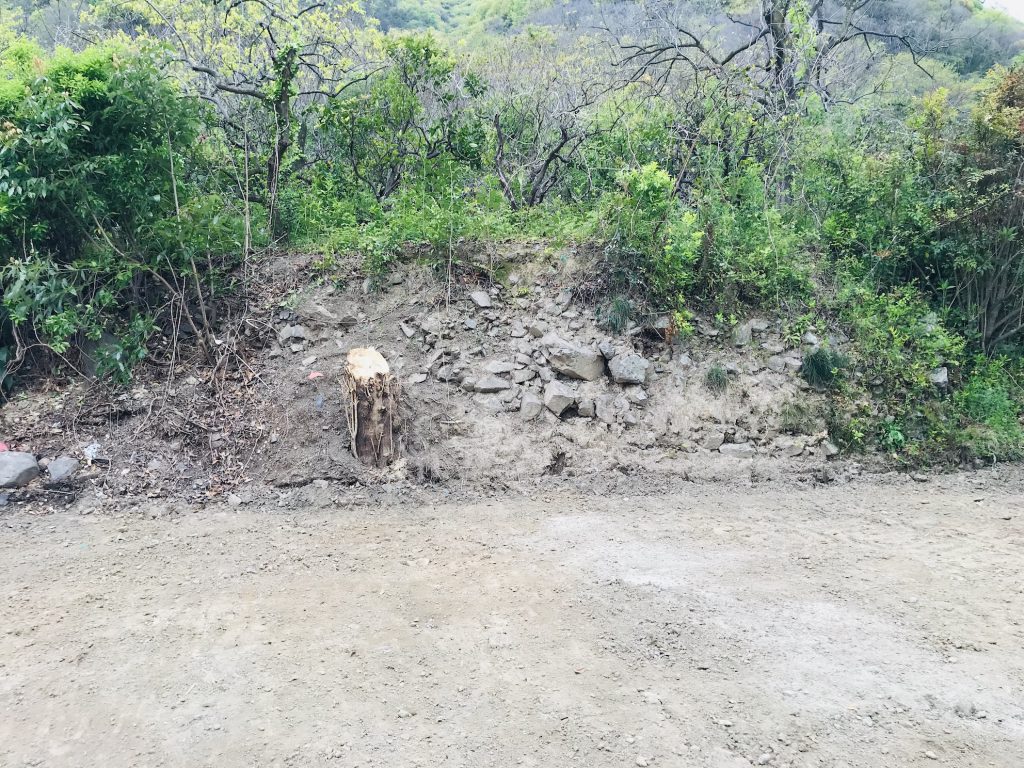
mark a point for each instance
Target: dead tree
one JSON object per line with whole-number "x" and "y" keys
{"x": 372, "y": 412}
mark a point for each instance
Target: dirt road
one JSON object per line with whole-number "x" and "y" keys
{"x": 866, "y": 625}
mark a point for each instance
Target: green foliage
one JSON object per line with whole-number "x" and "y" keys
{"x": 798, "y": 417}
{"x": 92, "y": 219}
{"x": 824, "y": 367}
{"x": 989, "y": 410}
{"x": 716, "y": 379}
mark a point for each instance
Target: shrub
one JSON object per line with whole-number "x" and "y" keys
{"x": 989, "y": 413}
{"x": 95, "y": 225}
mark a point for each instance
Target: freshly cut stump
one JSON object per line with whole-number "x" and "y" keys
{"x": 373, "y": 397}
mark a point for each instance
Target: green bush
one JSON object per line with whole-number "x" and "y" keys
{"x": 95, "y": 226}
{"x": 824, "y": 368}
{"x": 989, "y": 412}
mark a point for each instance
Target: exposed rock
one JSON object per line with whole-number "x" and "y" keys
{"x": 790, "y": 448}
{"x": 637, "y": 395}
{"x": 558, "y": 397}
{"x": 492, "y": 384}
{"x": 546, "y": 374}
{"x": 742, "y": 335}
{"x": 538, "y": 328}
{"x": 17, "y": 469}
{"x": 738, "y": 450}
{"x": 481, "y": 298}
{"x": 499, "y": 366}
{"x": 706, "y": 330}
{"x": 573, "y": 360}
{"x": 776, "y": 364}
{"x": 793, "y": 363}
{"x": 292, "y": 333}
{"x": 939, "y": 377}
{"x": 757, "y": 325}
{"x": 714, "y": 441}
{"x": 407, "y": 330}
{"x": 531, "y": 406}
{"x": 587, "y": 409}
{"x": 469, "y": 323}
{"x": 810, "y": 339}
{"x": 830, "y": 449}
{"x": 773, "y": 348}
{"x": 523, "y": 375}
{"x": 518, "y": 330}
{"x": 431, "y": 325}
{"x": 629, "y": 368}
{"x": 610, "y": 407}
{"x": 606, "y": 348}
{"x": 62, "y": 468}
{"x": 417, "y": 378}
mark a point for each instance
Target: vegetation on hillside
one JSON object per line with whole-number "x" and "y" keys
{"x": 828, "y": 162}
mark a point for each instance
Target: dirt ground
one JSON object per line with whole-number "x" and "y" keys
{"x": 871, "y": 624}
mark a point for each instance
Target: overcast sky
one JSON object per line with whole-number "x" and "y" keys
{"x": 1012, "y": 7}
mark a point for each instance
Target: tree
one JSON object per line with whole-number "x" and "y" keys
{"x": 543, "y": 92}
{"x": 418, "y": 107}
{"x": 780, "y": 50}
{"x": 276, "y": 57}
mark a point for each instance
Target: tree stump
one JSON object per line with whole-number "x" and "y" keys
{"x": 373, "y": 395}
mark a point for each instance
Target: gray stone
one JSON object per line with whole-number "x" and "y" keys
{"x": 773, "y": 348}
{"x": 830, "y": 449}
{"x": 523, "y": 375}
{"x": 573, "y": 360}
{"x": 499, "y": 366}
{"x": 742, "y": 335}
{"x": 538, "y": 328}
{"x": 637, "y": 395}
{"x": 407, "y": 330}
{"x": 706, "y": 330}
{"x": 606, "y": 348}
{"x": 17, "y": 469}
{"x": 714, "y": 441}
{"x": 292, "y": 333}
{"x": 431, "y": 325}
{"x": 546, "y": 374}
{"x": 62, "y": 468}
{"x": 587, "y": 409}
{"x": 518, "y": 330}
{"x": 757, "y": 325}
{"x": 481, "y": 298}
{"x": 629, "y": 368}
{"x": 776, "y": 364}
{"x": 417, "y": 378}
{"x": 738, "y": 450}
{"x": 610, "y": 407}
{"x": 790, "y": 448}
{"x": 531, "y": 406}
{"x": 793, "y": 363}
{"x": 810, "y": 339}
{"x": 492, "y": 384}
{"x": 558, "y": 397}
{"x": 939, "y": 377}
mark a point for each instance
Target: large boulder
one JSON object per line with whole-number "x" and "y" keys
{"x": 17, "y": 469}
{"x": 629, "y": 368}
{"x": 559, "y": 397}
{"x": 573, "y": 360}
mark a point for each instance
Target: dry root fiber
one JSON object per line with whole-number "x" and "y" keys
{"x": 373, "y": 397}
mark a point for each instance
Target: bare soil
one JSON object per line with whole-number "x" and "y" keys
{"x": 869, "y": 624}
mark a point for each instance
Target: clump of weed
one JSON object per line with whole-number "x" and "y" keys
{"x": 716, "y": 379}
{"x": 617, "y": 314}
{"x": 824, "y": 368}
{"x": 798, "y": 418}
